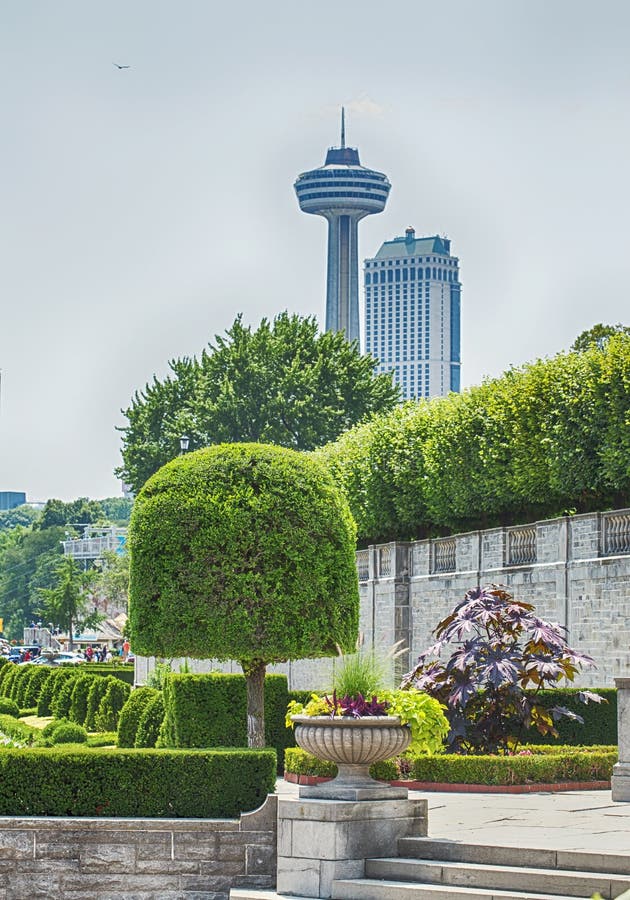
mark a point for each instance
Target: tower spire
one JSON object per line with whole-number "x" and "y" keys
{"x": 343, "y": 128}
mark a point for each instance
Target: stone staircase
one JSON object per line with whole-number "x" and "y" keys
{"x": 429, "y": 869}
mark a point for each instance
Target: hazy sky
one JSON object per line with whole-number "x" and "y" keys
{"x": 141, "y": 209}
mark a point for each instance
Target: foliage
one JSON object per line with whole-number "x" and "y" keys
{"x": 597, "y": 336}
{"x": 599, "y": 725}
{"x": 23, "y": 515}
{"x": 49, "y": 689}
{"x": 564, "y": 764}
{"x": 498, "y": 649}
{"x": 48, "y": 729}
{"x": 259, "y": 564}
{"x": 283, "y": 383}
{"x": 39, "y": 676}
{"x": 97, "y": 691}
{"x": 109, "y": 709}
{"x": 68, "y": 602}
{"x": 9, "y": 707}
{"x": 362, "y": 672}
{"x": 157, "y": 676}
{"x": 150, "y": 722}
{"x": 69, "y": 733}
{"x": 61, "y": 701}
{"x": 27, "y": 562}
{"x": 75, "y": 513}
{"x": 539, "y": 440}
{"x": 210, "y": 711}
{"x": 79, "y": 698}
{"x": 69, "y": 781}
{"x": 18, "y": 731}
{"x": 117, "y": 509}
{"x": 111, "y": 582}
{"x": 130, "y": 715}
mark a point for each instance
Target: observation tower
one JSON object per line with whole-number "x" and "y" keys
{"x": 343, "y": 191}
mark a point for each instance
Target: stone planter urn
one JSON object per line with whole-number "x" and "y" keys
{"x": 354, "y": 745}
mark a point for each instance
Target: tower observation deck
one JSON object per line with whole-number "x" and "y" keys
{"x": 343, "y": 191}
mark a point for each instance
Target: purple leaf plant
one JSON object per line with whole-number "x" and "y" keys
{"x": 501, "y": 655}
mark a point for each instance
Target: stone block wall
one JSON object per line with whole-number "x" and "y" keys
{"x": 173, "y": 859}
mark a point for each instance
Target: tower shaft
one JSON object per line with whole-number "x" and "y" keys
{"x": 342, "y": 283}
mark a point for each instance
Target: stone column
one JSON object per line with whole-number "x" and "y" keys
{"x": 621, "y": 770}
{"x": 320, "y": 841}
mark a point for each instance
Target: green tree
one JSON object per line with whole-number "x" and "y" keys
{"x": 67, "y": 603}
{"x": 111, "y": 582}
{"x": 25, "y": 566}
{"x": 117, "y": 509}
{"x": 245, "y": 552}
{"x": 283, "y": 383}
{"x": 20, "y": 515}
{"x": 77, "y": 512}
{"x": 598, "y": 336}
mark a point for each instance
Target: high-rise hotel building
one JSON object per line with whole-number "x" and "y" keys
{"x": 412, "y": 314}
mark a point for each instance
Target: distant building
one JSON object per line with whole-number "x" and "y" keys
{"x": 95, "y": 541}
{"x": 412, "y": 314}
{"x": 11, "y": 499}
{"x": 343, "y": 192}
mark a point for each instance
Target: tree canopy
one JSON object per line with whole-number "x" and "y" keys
{"x": 245, "y": 552}
{"x": 598, "y": 336}
{"x": 283, "y": 383}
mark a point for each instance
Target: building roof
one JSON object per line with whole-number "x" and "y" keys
{"x": 410, "y": 245}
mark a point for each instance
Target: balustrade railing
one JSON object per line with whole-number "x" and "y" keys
{"x": 616, "y": 532}
{"x": 384, "y": 561}
{"x": 444, "y": 555}
{"x": 363, "y": 564}
{"x": 521, "y": 549}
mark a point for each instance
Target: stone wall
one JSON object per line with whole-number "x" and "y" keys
{"x": 576, "y": 570}
{"x": 173, "y": 859}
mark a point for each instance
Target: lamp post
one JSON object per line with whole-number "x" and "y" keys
{"x": 184, "y": 443}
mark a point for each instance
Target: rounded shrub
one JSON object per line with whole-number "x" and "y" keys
{"x": 48, "y": 729}
{"x": 23, "y": 683}
{"x": 97, "y": 691}
{"x": 9, "y": 707}
{"x": 35, "y": 686}
{"x": 3, "y": 661}
{"x": 69, "y": 733}
{"x": 150, "y": 723}
{"x": 111, "y": 704}
{"x": 79, "y": 699}
{"x": 62, "y": 698}
{"x": 7, "y": 681}
{"x": 131, "y": 713}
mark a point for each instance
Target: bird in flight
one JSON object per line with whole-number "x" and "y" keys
{"x": 121, "y": 67}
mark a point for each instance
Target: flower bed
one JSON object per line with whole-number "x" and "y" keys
{"x": 534, "y": 768}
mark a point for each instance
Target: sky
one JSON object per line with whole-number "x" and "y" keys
{"x": 141, "y": 209}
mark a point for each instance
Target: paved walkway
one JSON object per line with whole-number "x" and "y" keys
{"x": 575, "y": 820}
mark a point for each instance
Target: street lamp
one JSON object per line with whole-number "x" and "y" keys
{"x": 184, "y": 442}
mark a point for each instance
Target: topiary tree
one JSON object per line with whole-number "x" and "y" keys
{"x": 150, "y": 722}
{"x": 114, "y": 699}
{"x": 79, "y": 701}
{"x": 131, "y": 713}
{"x": 97, "y": 691}
{"x": 245, "y": 552}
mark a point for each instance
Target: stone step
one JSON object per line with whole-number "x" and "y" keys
{"x": 373, "y": 889}
{"x": 261, "y": 894}
{"x": 453, "y": 851}
{"x": 499, "y": 877}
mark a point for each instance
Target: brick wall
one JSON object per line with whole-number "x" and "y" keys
{"x": 173, "y": 859}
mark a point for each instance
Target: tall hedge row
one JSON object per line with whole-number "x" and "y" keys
{"x": 540, "y": 440}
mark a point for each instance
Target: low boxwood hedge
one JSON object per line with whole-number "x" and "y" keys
{"x": 600, "y": 719}
{"x": 552, "y": 764}
{"x": 69, "y": 781}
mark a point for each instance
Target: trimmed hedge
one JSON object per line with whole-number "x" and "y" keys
{"x": 150, "y": 723}
{"x": 123, "y": 671}
{"x": 131, "y": 713}
{"x": 600, "y": 719}
{"x": 211, "y": 711}
{"x": 97, "y": 691}
{"x": 9, "y": 707}
{"x": 67, "y": 781}
{"x": 53, "y": 684}
{"x": 551, "y": 765}
{"x": 79, "y": 702}
{"x": 109, "y": 709}
{"x": 20, "y": 731}
{"x": 69, "y": 733}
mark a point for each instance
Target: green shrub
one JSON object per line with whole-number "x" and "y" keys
{"x": 558, "y": 764}
{"x": 130, "y": 715}
{"x": 7, "y": 682}
{"x": 51, "y": 688}
{"x": 123, "y": 671}
{"x": 36, "y": 684}
{"x": 9, "y": 707}
{"x": 69, "y": 733}
{"x": 51, "y": 727}
{"x": 16, "y": 730}
{"x": 111, "y": 704}
{"x": 67, "y": 781}
{"x": 21, "y": 683}
{"x": 4, "y": 671}
{"x": 79, "y": 699}
{"x": 3, "y": 661}
{"x": 600, "y": 719}
{"x": 150, "y": 722}
{"x": 97, "y": 691}
{"x": 62, "y": 698}
{"x": 103, "y": 739}
{"x": 210, "y": 711}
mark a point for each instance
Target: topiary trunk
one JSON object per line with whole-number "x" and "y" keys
{"x": 255, "y": 680}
